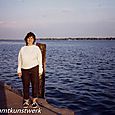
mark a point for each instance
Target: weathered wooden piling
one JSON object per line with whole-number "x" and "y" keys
{"x": 41, "y": 86}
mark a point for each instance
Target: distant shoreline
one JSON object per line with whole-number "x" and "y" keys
{"x": 106, "y": 38}
{"x": 110, "y": 38}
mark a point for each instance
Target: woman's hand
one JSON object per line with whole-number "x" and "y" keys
{"x": 19, "y": 75}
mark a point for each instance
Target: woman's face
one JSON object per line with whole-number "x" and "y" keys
{"x": 30, "y": 40}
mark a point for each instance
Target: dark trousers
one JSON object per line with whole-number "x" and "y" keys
{"x": 30, "y": 76}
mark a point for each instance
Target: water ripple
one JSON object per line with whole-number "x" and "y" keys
{"x": 80, "y": 75}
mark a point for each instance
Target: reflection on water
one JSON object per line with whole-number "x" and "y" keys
{"x": 80, "y": 75}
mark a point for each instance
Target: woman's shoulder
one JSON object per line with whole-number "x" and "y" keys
{"x": 22, "y": 48}
{"x": 36, "y": 47}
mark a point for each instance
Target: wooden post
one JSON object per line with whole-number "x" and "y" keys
{"x": 41, "y": 86}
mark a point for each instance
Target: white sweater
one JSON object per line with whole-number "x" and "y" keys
{"x": 29, "y": 57}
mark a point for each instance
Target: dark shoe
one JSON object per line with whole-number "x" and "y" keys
{"x": 26, "y": 103}
{"x": 34, "y": 105}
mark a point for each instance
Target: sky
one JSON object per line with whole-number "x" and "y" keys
{"x": 57, "y": 18}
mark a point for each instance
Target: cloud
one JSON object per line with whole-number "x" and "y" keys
{"x": 7, "y": 24}
{"x": 1, "y": 22}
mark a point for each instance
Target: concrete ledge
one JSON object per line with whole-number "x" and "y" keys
{"x": 11, "y": 98}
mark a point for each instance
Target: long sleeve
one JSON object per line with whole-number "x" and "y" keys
{"x": 40, "y": 61}
{"x": 19, "y": 62}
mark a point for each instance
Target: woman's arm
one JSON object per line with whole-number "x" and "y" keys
{"x": 19, "y": 64}
{"x": 40, "y": 61}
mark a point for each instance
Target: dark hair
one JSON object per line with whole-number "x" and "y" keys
{"x": 29, "y": 35}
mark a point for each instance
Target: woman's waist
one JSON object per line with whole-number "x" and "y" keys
{"x": 29, "y": 66}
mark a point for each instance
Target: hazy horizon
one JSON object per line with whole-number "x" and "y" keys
{"x": 64, "y": 38}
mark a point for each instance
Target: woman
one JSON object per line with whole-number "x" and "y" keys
{"x": 29, "y": 68}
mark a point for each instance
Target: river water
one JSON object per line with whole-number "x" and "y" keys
{"x": 80, "y": 74}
